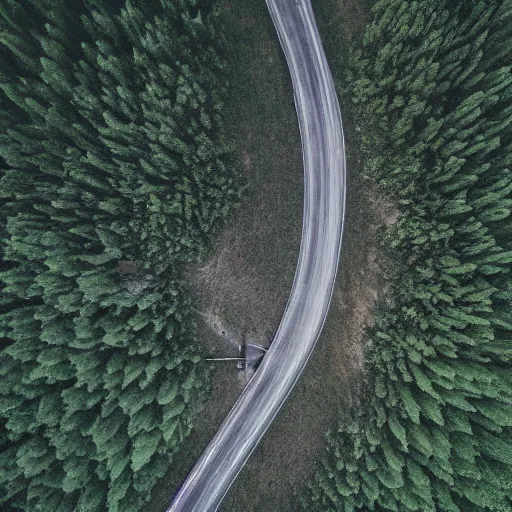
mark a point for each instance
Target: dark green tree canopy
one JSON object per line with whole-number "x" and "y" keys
{"x": 433, "y": 81}
{"x": 114, "y": 173}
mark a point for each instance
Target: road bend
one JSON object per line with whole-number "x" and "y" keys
{"x": 324, "y": 205}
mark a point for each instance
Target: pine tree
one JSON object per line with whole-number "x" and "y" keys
{"x": 434, "y": 427}
{"x": 114, "y": 173}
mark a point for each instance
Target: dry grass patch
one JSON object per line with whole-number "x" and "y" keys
{"x": 242, "y": 289}
{"x": 284, "y": 462}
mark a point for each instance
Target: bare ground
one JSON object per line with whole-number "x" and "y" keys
{"x": 242, "y": 289}
{"x": 284, "y": 462}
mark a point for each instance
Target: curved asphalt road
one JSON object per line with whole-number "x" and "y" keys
{"x": 324, "y": 203}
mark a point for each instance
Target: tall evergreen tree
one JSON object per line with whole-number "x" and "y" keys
{"x": 115, "y": 172}
{"x": 433, "y": 431}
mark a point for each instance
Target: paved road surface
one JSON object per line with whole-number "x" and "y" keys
{"x": 324, "y": 203}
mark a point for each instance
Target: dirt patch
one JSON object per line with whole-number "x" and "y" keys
{"x": 217, "y": 326}
{"x": 361, "y": 287}
{"x": 285, "y": 461}
{"x": 241, "y": 304}
{"x": 385, "y": 212}
{"x": 246, "y": 159}
{"x": 241, "y": 291}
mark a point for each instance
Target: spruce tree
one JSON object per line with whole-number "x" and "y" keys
{"x": 433, "y": 431}
{"x": 114, "y": 173}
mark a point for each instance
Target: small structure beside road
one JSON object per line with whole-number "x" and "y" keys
{"x": 249, "y": 359}
{"x": 253, "y": 355}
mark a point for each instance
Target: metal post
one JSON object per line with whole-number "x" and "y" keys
{"x": 226, "y": 359}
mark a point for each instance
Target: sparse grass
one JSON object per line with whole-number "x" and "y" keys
{"x": 284, "y": 462}
{"x": 247, "y": 281}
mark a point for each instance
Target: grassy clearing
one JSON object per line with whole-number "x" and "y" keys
{"x": 245, "y": 284}
{"x": 247, "y": 281}
{"x": 283, "y": 463}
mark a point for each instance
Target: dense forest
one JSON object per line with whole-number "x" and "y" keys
{"x": 432, "y": 89}
{"x": 114, "y": 174}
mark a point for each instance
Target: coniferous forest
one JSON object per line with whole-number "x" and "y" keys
{"x": 114, "y": 174}
{"x": 432, "y": 88}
